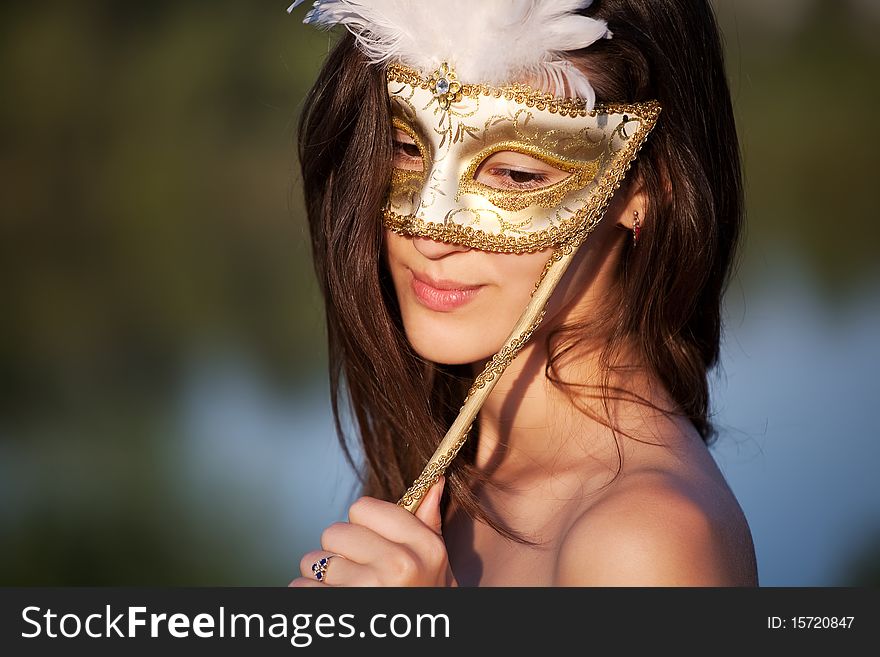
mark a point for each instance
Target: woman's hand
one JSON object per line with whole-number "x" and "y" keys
{"x": 383, "y": 544}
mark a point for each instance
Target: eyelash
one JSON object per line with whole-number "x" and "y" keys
{"x": 506, "y": 175}
{"x": 400, "y": 150}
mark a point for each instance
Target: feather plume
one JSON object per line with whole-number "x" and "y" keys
{"x": 487, "y": 41}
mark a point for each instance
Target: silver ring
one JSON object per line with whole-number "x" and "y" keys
{"x": 320, "y": 567}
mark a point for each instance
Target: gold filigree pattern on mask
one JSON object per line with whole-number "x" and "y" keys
{"x": 520, "y": 126}
{"x": 451, "y": 125}
{"x": 505, "y": 225}
{"x": 454, "y": 233}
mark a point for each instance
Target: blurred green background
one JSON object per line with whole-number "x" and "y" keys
{"x": 163, "y": 398}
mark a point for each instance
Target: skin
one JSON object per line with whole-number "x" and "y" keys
{"x": 667, "y": 519}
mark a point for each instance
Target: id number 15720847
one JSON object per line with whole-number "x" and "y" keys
{"x": 810, "y": 622}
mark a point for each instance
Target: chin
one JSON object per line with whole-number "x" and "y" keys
{"x": 451, "y": 349}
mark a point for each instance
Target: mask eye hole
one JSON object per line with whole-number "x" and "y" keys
{"x": 407, "y": 152}
{"x": 509, "y": 170}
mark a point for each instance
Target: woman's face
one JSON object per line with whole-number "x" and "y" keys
{"x": 459, "y": 304}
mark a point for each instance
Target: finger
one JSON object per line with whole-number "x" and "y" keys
{"x": 429, "y": 510}
{"x": 386, "y": 519}
{"x": 355, "y": 542}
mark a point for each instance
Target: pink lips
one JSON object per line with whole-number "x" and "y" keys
{"x": 444, "y": 295}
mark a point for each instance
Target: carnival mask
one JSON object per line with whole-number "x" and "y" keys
{"x": 447, "y": 134}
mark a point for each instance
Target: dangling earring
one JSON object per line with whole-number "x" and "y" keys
{"x": 637, "y": 227}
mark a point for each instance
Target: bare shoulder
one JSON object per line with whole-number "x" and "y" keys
{"x": 658, "y": 529}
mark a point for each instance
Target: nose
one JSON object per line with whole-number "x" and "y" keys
{"x": 434, "y": 250}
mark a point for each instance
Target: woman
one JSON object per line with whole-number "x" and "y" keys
{"x": 588, "y": 464}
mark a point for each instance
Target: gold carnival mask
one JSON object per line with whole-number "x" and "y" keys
{"x": 448, "y": 132}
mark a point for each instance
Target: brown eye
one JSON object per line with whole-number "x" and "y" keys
{"x": 523, "y": 177}
{"x": 407, "y": 155}
{"x": 509, "y": 170}
{"x": 410, "y": 150}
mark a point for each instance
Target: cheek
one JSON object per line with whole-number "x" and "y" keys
{"x": 519, "y": 274}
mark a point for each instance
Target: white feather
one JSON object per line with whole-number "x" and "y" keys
{"x": 485, "y": 41}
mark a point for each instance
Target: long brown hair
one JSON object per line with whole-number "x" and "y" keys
{"x": 671, "y": 285}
